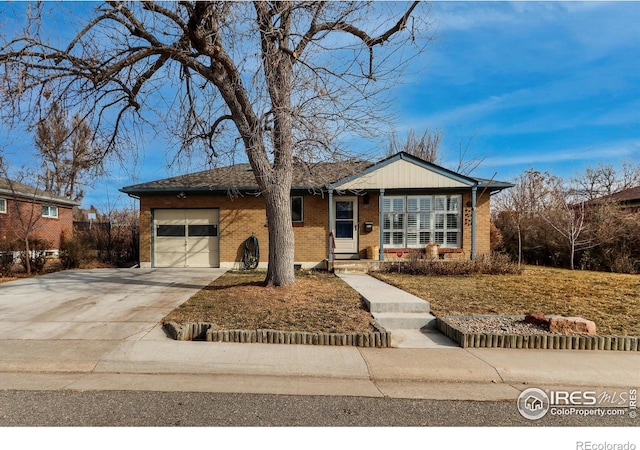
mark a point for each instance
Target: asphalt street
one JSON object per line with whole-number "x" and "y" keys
{"x": 193, "y": 409}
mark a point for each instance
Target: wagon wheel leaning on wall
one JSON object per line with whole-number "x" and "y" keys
{"x": 251, "y": 253}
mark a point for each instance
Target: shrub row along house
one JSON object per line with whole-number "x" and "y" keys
{"x": 28, "y": 211}
{"x": 340, "y": 210}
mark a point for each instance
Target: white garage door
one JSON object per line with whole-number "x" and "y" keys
{"x": 186, "y": 238}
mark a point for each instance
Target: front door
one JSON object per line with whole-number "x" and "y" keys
{"x": 345, "y": 224}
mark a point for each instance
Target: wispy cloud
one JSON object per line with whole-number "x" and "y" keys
{"x": 521, "y": 68}
{"x": 606, "y": 151}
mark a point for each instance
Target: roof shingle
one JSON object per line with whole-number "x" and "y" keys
{"x": 240, "y": 176}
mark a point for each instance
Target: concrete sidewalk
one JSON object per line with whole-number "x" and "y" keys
{"x": 132, "y": 352}
{"x": 155, "y": 362}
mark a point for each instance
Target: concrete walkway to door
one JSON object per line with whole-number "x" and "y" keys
{"x": 406, "y": 316}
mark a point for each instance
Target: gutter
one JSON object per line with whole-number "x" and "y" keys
{"x": 32, "y": 197}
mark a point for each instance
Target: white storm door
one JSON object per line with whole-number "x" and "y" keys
{"x": 345, "y": 224}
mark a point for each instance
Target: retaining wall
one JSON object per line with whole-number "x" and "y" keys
{"x": 202, "y": 331}
{"x": 550, "y": 341}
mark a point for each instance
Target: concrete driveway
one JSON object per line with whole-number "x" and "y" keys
{"x": 99, "y": 304}
{"x": 88, "y": 312}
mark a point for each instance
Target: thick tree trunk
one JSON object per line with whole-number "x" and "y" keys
{"x": 280, "y": 271}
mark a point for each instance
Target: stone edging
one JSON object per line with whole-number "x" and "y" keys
{"x": 536, "y": 341}
{"x": 203, "y": 331}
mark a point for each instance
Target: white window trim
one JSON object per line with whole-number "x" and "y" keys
{"x": 48, "y": 214}
{"x": 433, "y": 214}
{"x": 3, "y": 207}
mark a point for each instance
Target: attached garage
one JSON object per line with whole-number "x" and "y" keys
{"x": 186, "y": 238}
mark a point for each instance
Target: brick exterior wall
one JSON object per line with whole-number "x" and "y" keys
{"x": 242, "y": 216}
{"x": 483, "y": 224}
{"x": 368, "y": 213}
{"x": 45, "y": 228}
{"x": 312, "y": 237}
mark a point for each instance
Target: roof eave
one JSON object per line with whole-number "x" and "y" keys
{"x": 30, "y": 197}
{"x": 193, "y": 189}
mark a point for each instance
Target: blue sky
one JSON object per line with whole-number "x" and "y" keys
{"x": 552, "y": 85}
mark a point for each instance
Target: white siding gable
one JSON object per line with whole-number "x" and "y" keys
{"x": 402, "y": 174}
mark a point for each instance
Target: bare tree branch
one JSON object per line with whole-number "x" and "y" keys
{"x": 271, "y": 68}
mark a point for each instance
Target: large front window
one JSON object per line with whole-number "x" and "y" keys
{"x": 414, "y": 221}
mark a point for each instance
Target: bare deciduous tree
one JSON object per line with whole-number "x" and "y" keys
{"x": 24, "y": 207}
{"x": 67, "y": 153}
{"x": 288, "y": 76}
{"x": 426, "y": 147}
{"x": 466, "y": 163}
{"x": 566, "y": 213}
{"x": 605, "y": 180}
{"x": 519, "y": 204}
{"x": 560, "y": 218}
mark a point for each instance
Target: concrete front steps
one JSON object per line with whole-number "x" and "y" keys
{"x": 406, "y": 321}
{"x": 355, "y": 265}
{"x": 406, "y": 316}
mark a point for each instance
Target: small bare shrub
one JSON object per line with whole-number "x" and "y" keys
{"x": 625, "y": 264}
{"x": 37, "y": 254}
{"x": 495, "y": 264}
{"x": 6, "y": 258}
{"x": 73, "y": 251}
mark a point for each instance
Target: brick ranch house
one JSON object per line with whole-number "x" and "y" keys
{"x": 343, "y": 210}
{"x": 49, "y": 215}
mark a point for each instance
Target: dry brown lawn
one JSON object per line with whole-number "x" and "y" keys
{"x": 317, "y": 302}
{"x": 612, "y": 301}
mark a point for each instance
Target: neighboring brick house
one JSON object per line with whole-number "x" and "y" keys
{"x": 22, "y": 206}
{"x": 203, "y": 219}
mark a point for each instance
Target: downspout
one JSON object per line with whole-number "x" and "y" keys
{"x": 330, "y": 237}
{"x": 381, "y": 224}
{"x": 474, "y": 191}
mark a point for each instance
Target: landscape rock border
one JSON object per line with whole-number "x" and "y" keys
{"x": 204, "y": 331}
{"x": 545, "y": 341}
